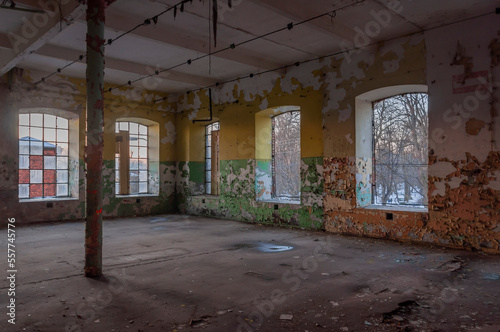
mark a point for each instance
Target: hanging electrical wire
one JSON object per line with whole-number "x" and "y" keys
{"x": 298, "y": 63}
{"x": 289, "y": 26}
{"x": 146, "y": 22}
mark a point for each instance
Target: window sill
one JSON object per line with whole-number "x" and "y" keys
{"x": 395, "y": 208}
{"x": 277, "y": 201}
{"x": 137, "y": 195}
{"x": 50, "y": 199}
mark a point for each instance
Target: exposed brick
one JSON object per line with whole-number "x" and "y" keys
{"x": 49, "y": 176}
{"x": 36, "y": 162}
{"x": 36, "y": 190}
{"x": 49, "y": 152}
{"x": 49, "y": 190}
{"x": 24, "y": 176}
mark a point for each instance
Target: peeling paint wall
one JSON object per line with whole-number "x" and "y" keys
{"x": 245, "y": 178}
{"x": 458, "y": 63}
{"x": 17, "y": 91}
{"x": 464, "y": 125}
{"x": 336, "y": 181}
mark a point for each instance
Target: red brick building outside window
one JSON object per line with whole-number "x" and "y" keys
{"x": 43, "y": 156}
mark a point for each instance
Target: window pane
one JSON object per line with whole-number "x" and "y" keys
{"x": 36, "y": 190}
{"x": 208, "y": 176}
{"x": 36, "y": 148}
{"x": 134, "y": 128}
{"x": 62, "y": 162}
{"x": 134, "y": 140}
{"x": 400, "y": 150}
{"x": 123, "y": 126}
{"x": 134, "y": 187}
{"x": 36, "y": 120}
{"x": 62, "y": 149}
{"x": 24, "y": 162}
{"x": 36, "y": 176}
{"x": 62, "y": 123}
{"x": 62, "y": 135}
{"x": 24, "y": 119}
{"x": 208, "y": 153}
{"x": 134, "y": 152}
{"x": 50, "y": 134}
{"x": 24, "y": 176}
{"x": 134, "y": 176}
{"x": 143, "y": 176}
{"x": 286, "y": 155}
{"x": 36, "y": 133}
{"x": 49, "y": 162}
{"x": 143, "y": 152}
{"x": 49, "y": 149}
{"x": 24, "y": 147}
{"x": 36, "y": 162}
{"x": 117, "y": 127}
{"x": 24, "y": 132}
{"x": 24, "y": 191}
{"x": 134, "y": 164}
{"x": 143, "y": 187}
{"x": 49, "y": 121}
{"x": 62, "y": 190}
{"x": 143, "y": 164}
{"x": 143, "y": 130}
{"x": 62, "y": 176}
{"x": 208, "y": 188}
{"x": 117, "y": 188}
{"x": 49, "y": 190}
{"x": 143, "y": 141}
{"x": 49, "y": 176}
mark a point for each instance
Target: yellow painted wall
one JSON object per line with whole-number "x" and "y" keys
{"x": 411, "y": 70}
{"x": 238, "y": 122}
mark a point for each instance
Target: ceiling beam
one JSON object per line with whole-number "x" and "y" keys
{"x": 173, "y": 35}
{"x": 127, "y": 66}
{"x": 40, "y": 5}
{"x": 34, "y": 32}
{"x": 302, "y": 10}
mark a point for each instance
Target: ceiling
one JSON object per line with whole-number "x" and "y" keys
{"x": 55, "y": 37}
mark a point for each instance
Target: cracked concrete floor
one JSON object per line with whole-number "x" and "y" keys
{"x": 180, "y": 273}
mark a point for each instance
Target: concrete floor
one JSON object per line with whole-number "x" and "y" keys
{"x": 180, "y": 273}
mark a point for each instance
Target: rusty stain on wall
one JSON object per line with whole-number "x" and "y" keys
{"x": 473, "y": 126}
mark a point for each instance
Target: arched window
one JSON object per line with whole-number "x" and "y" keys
{"x": 277, "y": 152}
{"x": 136, "y": 157}
{"x": 391, "y": 147}
{"x": 400, "y": 150}
{"x": 47, "y": 148}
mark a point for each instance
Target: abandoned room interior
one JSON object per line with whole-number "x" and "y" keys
{"x": 250, "y": 165}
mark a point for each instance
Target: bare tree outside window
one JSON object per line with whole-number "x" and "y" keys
{"x": 400, "y": 126}
{"x": 286, "y": 156}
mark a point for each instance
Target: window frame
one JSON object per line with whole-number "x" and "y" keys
{"x": 274, "y": 168}
{"x": 376, "y": 160}
{"x": 139, "y": 160}
{"x": 59, "y": 128}
{"x": 364, "y": 144}
{"x": 151, "y": 170}
{"x": 214, "y": 126}
{"x": 263, "y": 155}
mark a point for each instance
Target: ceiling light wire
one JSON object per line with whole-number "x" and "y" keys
{"x": 232, "y": 46}
{"x": 297, "y": 64}
{"x": 109, "y": 41}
